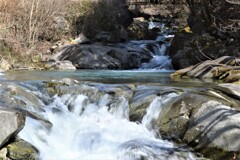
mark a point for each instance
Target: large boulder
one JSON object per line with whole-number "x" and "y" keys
{"x": 11, "y": 123}
{"x": 99, "y": 56}
{"x": 207, "y": 120}
{"x": 143, "y": 97}
{"x": 26, "y": 99}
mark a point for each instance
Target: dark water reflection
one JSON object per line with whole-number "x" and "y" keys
{"x": 109, "y": 76}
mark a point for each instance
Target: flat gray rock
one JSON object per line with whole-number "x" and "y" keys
{"x": 11, "y": 123}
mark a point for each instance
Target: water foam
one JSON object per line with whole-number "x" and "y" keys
{"x": 93, "y": 130}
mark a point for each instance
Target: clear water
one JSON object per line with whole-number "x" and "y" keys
{"x": 109, "y": 76}
{"x": 104, "y": 76}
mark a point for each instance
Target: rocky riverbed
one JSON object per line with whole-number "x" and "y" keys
{"x": 203, "y": 118}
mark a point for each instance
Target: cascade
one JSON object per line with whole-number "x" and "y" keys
{"x": 154, "y": 108}
{"x": 88, "y": 130}
{"x": 157, "y": 48}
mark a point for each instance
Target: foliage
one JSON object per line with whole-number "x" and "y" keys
{"x": 77, "y": 12}
{"x": 26, "y": 25}
{"x": 93, "y": 17}
{"x": 7, "y": 58}
{"x": 28, "y": 20}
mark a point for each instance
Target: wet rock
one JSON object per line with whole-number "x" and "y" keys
{"x": 118, "y": 90}
{"x": 24, "y": 98}
{"x": 21, "y": 150}
{"x": 11, "y": 123}
{"x": 93, "y": 90}
{"x": 232, "y": 76}
{"x": 143, "y": 96}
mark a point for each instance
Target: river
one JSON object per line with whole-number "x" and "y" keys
{"x": 91, "y": 121}
{"x": 84, "y": 127}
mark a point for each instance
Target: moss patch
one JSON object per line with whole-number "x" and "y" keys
{"x": 21, "y": 150}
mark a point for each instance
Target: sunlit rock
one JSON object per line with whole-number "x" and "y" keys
{"x": 61, "y": 65}
{"x": 206, "y": 119}
{"x": 99, "y": 56}
{"x": 225, "y": 68}
{"x": 143, "y": 97}
{"x": 11, "y": 123}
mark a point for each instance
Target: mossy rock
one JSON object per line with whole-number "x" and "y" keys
{"x": 21, "y": 150}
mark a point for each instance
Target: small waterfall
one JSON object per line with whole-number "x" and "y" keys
{"x": 152, "y": 25}
{"x": 87, "y": 130}
{"x": 160, "y": 60}
{"x": 157, "y": 48}
{"x": 155, "y": 107}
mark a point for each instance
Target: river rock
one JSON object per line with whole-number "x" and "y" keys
{"x": 94, "y": 91}
{"x": 224, "y": 68}
{"x": 214, "y": 126}
{"x": 24, "y": 100}
{"x": 143, "y": 96}
{"x": 11, "y": 123}
{"x": 99, "y": 56}
{"x": 21, "y": 150}
{"x": 205, "y": 119}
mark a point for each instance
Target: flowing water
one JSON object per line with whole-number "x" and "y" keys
{"x": 83, "y": 126}
{"x": 82, "y": 129}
